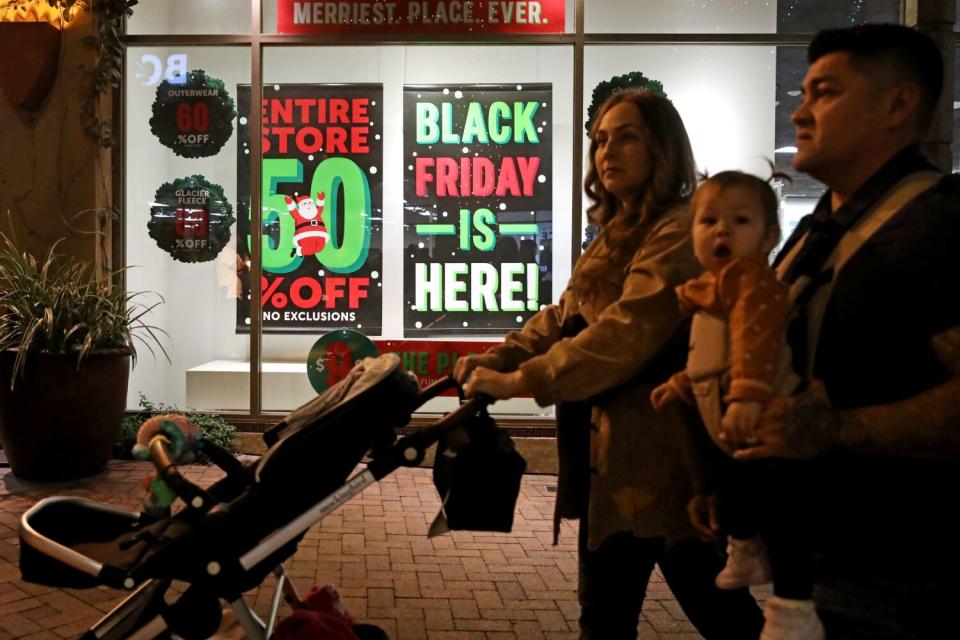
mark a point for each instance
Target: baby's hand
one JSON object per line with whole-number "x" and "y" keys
{"x": 663, "y": 395}
{"x": 687, "y": 307}
{"x": 739, "y": 423}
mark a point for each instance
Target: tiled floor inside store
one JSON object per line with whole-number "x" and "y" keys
{"x": 376, "y": 552}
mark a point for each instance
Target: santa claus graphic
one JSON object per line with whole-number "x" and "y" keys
{"x": 339, "y": 361}
{"x": 309, "y": 236}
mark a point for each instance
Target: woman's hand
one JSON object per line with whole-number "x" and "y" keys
{"x": 463, "y": 367}
{"x": 495, "y": 384}
{"x": 702, "y": 510}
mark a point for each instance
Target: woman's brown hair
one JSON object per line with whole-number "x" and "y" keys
{"x": 672, "y": 174}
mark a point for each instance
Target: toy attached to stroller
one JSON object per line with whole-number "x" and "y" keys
{"x": 229, "y": 537}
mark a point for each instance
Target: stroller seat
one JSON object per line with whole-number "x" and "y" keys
{"x": 75, "y": 542}
{"x": 93, "y": 543}
{"x": 229, "y": 537}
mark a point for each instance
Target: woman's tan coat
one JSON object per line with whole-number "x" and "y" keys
{"x": 645, "y": 465}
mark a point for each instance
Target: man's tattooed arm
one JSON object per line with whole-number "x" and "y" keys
{"x": 926, "y": 425}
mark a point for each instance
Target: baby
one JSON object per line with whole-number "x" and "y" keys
{"x": 738, "y": 361}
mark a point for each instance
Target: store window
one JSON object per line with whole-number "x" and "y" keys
{"x": 735, "y": 101}
{"x": 810, "y": 16}
{"x": 190, "y": 17}
{"x": 956, "y": 110}
{"x": 433, "y": 235}
{"x": 181, "y": 185}
{"x": 800, "y": 194}
{"x": 416, "y": 197}
{"x": 724, "y": 16}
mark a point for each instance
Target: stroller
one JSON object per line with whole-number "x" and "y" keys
{"x": 230, "y": 537}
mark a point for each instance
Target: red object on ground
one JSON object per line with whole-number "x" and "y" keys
{"x": 322, "y": 615}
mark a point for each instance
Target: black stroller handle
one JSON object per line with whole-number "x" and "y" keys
{"x": 437, "y": 388}
{"x": 449, "y": 382}
{"x": 455, "y": 417}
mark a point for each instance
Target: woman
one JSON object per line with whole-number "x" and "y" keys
{"x": 644, "y": 466}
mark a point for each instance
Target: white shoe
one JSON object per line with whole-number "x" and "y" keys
{"x": 791, "y": 620}
{"x": 747, "y": 564}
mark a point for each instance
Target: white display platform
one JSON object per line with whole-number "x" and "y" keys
{"x": 222, "y": 384}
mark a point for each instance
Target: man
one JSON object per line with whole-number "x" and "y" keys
{"x": 878, "y": 333}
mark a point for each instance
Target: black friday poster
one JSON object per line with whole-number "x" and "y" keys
{"x": 322, "y": 202}
{"x": 478, "y": 219}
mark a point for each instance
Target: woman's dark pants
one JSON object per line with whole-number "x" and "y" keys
{"x": 614, "y": 578}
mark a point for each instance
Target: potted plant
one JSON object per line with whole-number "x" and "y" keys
{"x": 66, "y": 345}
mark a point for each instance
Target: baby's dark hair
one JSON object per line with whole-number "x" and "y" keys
{"x": 769, "y": 203}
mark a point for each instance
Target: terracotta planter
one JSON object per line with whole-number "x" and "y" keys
{"x": 30, "y": 52}
{"x": 60, "y": 423}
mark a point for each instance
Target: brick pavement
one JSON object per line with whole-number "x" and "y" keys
{"x": 375, "y": 550}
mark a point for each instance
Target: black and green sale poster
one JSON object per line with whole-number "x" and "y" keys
{"x": 478, "y": 213}
{"x": 322, "y": 207}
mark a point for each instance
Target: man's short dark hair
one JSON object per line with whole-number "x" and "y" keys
{"x": 913, "y": 54}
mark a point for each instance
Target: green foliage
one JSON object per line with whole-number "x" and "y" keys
{"x": 214, "y": 428}
{"x": 58, "y": 306}
{"x": 109, "y": 47}
{"x": 616, "y": 84}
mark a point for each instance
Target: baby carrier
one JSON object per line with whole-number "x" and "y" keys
{"x": 228, "y": 538}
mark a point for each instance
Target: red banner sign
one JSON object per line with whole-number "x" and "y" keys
{"x": 420, "y": 16}
{"x": 430, "y": 360}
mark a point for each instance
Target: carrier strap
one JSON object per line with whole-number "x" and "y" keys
{"x": 811, "y": 295}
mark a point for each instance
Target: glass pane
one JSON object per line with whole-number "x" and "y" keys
{"x": 181, "y": 184}
{"x": 190, "y": 16}
{"x": 791, "y": 68}
{"x": 956, "y": 109}
{"x": 328, "y": 13}
{"x": 724, "y": 16}
{"x": 364, "y": 73}
{"x": 809, "y": 16}
{"x": 735, "y": 101}
{"x": 800, "y": 195}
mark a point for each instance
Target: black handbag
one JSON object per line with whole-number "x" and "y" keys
{"x": 477, "y": 472}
